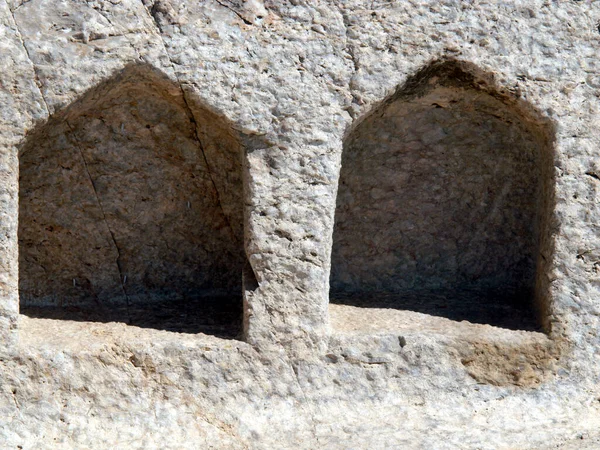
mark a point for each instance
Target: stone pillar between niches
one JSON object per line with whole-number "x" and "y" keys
{"x": 9, "y": 297}
{"x": 288, "y": 224}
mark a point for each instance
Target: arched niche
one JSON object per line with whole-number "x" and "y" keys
{"x": 444, "y": 203}
{"x": 130, "y": 209}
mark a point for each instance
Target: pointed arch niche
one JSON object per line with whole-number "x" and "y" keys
{"x": 130, "y": 210}
{"x": 444, "y": 203}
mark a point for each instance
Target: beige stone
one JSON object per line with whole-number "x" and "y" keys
{"x": 171, "y": 224}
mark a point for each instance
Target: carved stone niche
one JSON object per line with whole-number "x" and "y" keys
{"x": 444, "y": 203}
{"x": 130, "y": 210}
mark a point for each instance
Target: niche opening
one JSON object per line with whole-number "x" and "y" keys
{"x": 130, "y": 210}
{"x": 444, "y": 201}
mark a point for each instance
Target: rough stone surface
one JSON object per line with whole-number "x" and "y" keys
{"x": 444, "y": 184}
{"x": 266, "y": 104}
{"x": 118, "y": 204}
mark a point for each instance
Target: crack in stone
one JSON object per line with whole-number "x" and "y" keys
{"x": 36, "y": 77}
{"x": 355, "y": 64}
{"x": 247, "y": 22}
{"x": 594, "y": 175}
{"x": 210, "y": 173}
{"x": 112, "y": 235}
{"x": 24, "y": 3}
{"x": 13, "y": 392}
{"x": 152, "y": 13}
{"x": 124, "y": 33}
{"x": 349, "y": 49}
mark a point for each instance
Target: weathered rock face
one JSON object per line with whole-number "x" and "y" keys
{"x": 170, "y": 169}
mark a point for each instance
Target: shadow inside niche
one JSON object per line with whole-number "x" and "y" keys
{"x": 443, "y": 203}
{"x": 219, "y": 316}
{"x": 470, "y": 305}
{"x": 130, "y": 210}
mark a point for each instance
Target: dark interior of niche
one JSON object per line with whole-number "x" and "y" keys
{"x": 443, "y": 202}
{"x": 130, "y": 210}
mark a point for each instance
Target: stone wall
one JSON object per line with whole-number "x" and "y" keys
{"x": 182, "y": 184}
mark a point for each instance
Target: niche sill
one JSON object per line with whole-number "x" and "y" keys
{"x": 79, "y": 337}
{"x": 471, "y": 305}
{"x": 347, "y": 319}
{"x": 488, "y": 354}
{"x": 218, "y": 316}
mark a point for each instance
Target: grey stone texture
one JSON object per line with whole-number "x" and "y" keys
{"x": 171, "y": 224}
